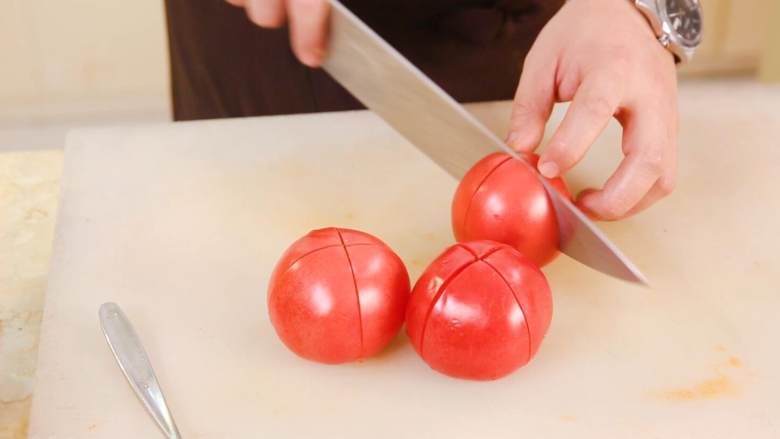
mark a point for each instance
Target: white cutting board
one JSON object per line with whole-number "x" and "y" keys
{"x": 181, "y": 225}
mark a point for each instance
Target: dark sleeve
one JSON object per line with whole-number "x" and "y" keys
{"x": 474, "y": 49}
{"x": 224, "y": 66}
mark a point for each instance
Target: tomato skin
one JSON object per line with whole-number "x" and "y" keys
{"x": 479, "y": 311}
{"x": 337, "y": 295}
{"x": 500, "y": 199}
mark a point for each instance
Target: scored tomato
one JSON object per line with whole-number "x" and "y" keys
{"x": 501, "y": 199}
{"x": 338, "y": 295}
{"x": 479, "y": 311}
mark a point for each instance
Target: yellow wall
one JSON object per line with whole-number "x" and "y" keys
{"x": 106, "y": 54}
{"x": 81, "y": 51}
{"x": 770, "y": 59}
{"x": 735, "y": 34}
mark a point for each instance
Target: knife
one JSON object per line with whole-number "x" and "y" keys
{"x": 135, "y": 364}
{"x": 391, "y": 86}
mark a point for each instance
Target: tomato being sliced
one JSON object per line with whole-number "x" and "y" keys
{"x": 338, "y": 295}
{"x": 500, "y": 199}
{"x": 479, "y": 311}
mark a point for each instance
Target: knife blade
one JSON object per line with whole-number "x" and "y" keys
{"x": 391, "y": 86}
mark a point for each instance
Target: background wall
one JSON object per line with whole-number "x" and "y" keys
{"x": 76, "y": 61}
{"x": 81, "y": 56}
{"x": 737, "y": 38}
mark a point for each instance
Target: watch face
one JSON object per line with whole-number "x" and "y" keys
{"x": 684, "y": 19}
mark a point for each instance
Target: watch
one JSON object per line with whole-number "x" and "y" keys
{"x": 676, "y": 23}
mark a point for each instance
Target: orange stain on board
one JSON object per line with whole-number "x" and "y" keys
{"x": 713, "y": 388}
{"x": 429, "y": 236}
{"x": 735, "y": 362}
{"x": 417, "y": 263}
{"x": 720, "y": 386}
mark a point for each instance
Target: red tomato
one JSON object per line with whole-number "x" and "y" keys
{"x": 500, "y": 199}
{"x": 479, "y": 311}
{"x": 338, "y": 295}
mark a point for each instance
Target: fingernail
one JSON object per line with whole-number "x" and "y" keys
{"x": 549, "y": 169}
{"x": 582, "y": 196}
{"x": 512, "y": 138}
{"x": 319, "y": 55}
{"x": 588, "y": 211}
{"x": 312, "y": 58}
{"x": 585, "y": 203}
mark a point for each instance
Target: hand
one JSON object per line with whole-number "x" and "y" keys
{"x": 308, "y": 21}
{"x": 603, "y": 57}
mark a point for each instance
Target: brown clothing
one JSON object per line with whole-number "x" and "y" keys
{"x": 224, "y": 66}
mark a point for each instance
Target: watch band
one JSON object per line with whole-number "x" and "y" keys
{"x": 649, "y": 10}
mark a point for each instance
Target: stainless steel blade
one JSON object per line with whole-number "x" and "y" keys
{"x": 387, "y": 83}
{"x": 135, "y": 364}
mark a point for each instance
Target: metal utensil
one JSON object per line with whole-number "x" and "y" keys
{"x": 387, "y": 83}
{"x": 135, "y": 364}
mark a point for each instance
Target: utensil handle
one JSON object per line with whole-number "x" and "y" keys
{"x": 135, "y": 364}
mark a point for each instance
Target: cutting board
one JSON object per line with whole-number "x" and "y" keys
{"x": 182, "y": 223}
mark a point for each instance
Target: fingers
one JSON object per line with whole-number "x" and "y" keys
{"x": 663, "y": 187}
{"x": 645, "y": 175}
{"x": 624, "y": 189}
{"x": 308, "y": 29}
{"x": 533, "y": 102}
{"x": 595, "y": 102}
{"x": 264, "y": 13}
{"x": 665, "y": 184}
{"x": 308, "y": 23}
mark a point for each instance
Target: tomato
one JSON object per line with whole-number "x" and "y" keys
{"x": 338, "y": 295}
{"x": 479, "y": 311}
{"x": 500, "y": 199}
